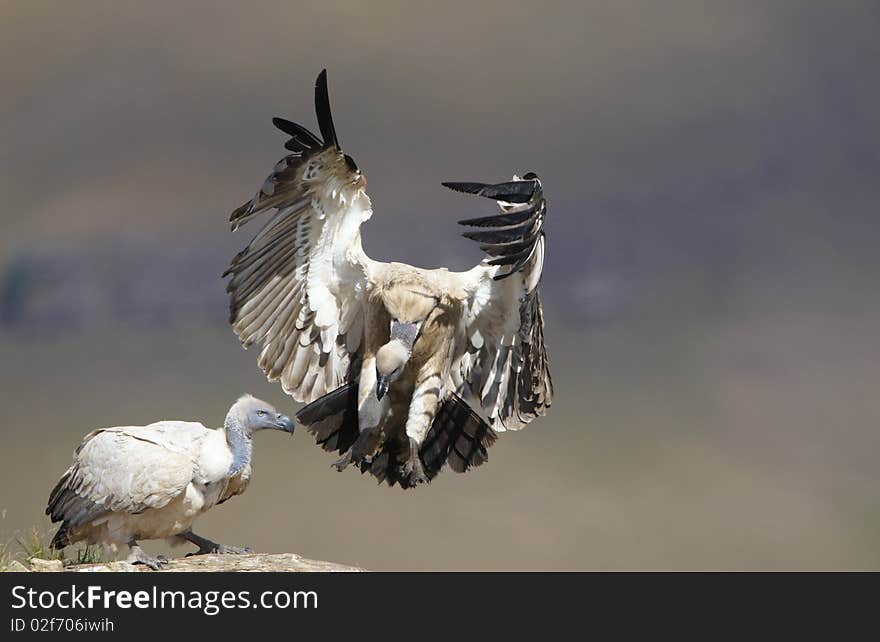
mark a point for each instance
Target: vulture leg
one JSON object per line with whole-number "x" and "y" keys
{"x": 365, "y": 446}
{"x": 362, "y": 450}
{"x": 413, "y": 467}
{"x": 137, "y": 556}
{"x": 207, "y": 547}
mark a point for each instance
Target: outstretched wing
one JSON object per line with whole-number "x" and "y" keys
{"x": 297, "y": 289}
{"x": 504, "y": 363}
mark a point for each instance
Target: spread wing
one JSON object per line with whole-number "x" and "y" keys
{"x": 297, "y": 289}
{"x": 504, "y": 363}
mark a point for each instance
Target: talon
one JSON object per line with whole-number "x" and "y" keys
{"x": 343, "y": 462}
{"x": 207, "y": 547}
{"x": 137, "y": 556}
{"x": 222, "y": 549}
{"x": 417, "y": 476}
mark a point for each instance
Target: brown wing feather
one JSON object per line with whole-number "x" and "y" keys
{"x": 290, "y": 292}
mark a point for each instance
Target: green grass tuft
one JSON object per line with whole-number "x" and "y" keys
{"x": 90, "y": 555}
{"x": 35, "y": 543}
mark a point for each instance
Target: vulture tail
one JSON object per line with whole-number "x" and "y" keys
{"x": 333, "y": 418}
{"x": 458, "y": 436}
{"x": 387, "y": 465}
{"x": 62, "y": 538}
{"x": 56, "y": 494}
{"x": 70, "y": 508}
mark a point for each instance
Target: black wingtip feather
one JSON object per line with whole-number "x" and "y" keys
{"x": 510, "y": 259}
{"x": 511, "y": 236}
{"x": 288, "y": 127}
{"x": 301, "y": 139}
{"x": 466, "y": 187}
{"x": 322, "y": 109}
{"x": 502, "y": 220}
{"x": 509, "y": 192}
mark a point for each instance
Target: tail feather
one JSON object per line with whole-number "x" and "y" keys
{"x": 333, "y": 418}
{"x": 71, "y": 509}
{"x": 61, "y": 538}
{"x": 458, "y": 436}
{"x": 386, "y": 466}
{"x": 56, "y": 494}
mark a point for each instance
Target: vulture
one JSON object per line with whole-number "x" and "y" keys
{"x": 394, "y": 362}
{"x": 133, "y": 483}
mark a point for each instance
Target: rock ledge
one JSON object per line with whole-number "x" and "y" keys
{"x": 251, "y": 563}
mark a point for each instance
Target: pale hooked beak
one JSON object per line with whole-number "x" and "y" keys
{"x": 381, "y": 386}
{"x": 285, "y": 423}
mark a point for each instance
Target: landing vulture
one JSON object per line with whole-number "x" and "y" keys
{"x": 151, "y": 482}
{"x": 390, "y": 357}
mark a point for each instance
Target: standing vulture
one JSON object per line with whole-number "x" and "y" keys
{"x": 386, "y": 354}
{"x": 151, "y": 482}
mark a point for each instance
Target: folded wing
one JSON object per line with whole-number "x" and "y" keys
{"x": 123, "y": 470}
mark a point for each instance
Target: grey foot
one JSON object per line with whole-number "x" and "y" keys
{"x": 137, "y": 556}
{"x": 234, "y": 550}
{"x": 222, "y": 549}
{"x": 207, "y": 547}
{"x": 413, "y": 468}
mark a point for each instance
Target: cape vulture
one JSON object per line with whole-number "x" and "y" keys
{"x": 387, "y": 354}
{"x": 150, "y": 482}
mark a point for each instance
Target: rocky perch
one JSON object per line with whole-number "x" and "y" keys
{"x": 250, "y": 563}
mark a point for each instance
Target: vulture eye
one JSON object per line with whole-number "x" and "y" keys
{"x": 261, "y": 413}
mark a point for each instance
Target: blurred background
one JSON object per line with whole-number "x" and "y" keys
{"x": 711, "y": 282}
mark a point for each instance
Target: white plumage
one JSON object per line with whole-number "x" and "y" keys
{"x": 133, "y": 483}
{"x": 327, "y": 318}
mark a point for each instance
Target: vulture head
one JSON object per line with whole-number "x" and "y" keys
{"x": 392, "y": 357}
{"x": 252, "y": 414}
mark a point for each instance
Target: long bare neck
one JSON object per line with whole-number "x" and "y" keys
{"x": 240, "y": 444}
